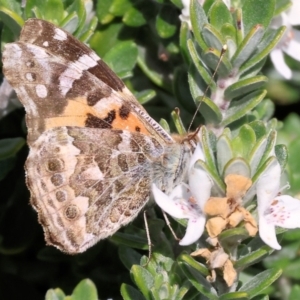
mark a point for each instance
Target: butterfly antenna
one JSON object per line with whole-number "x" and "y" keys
{"x": 148, "y": 239}
{"x": 223, "y": 51}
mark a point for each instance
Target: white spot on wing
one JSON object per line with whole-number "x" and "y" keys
{"x": 94, "y": 56}
{"x": 60, "y": 35}
{"x": 29, "y": 76}
{"x": 41, "y": 91}
{"x": 46, "y": 44}
{"x": 74, "y": 72}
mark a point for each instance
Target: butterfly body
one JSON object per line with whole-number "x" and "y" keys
{"x": 94, "y": 150}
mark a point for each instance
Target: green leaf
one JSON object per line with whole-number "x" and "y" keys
{"x": 199, "y": 282}
{"x": 256, "y": 154}
{"x": 129, "y": 257}
{"x": 145, "y": 96}
{"x": 271, "y": 141}
{"x": 270, "y": 40}
{"x": 282, "y": 155}
{"x": 237, "y": 166}
{"x": 228, "y": 32}
{"x": 135, "y": 15}
{"x": 198, "y": 20}
{"x": 212, "y": 57}
{"x": 143, "y": 279}
{"x": 55, "y": 294}
{"x": 104, "y": 40}
{"x": 70, "y": 22}
{"x": 85, "y": 37}
{"x": 130, "y": 293}
{"x": 10, "y": 147}
{"x": 261, "y": 281}
{"x": 209, "y": 110}
{"x": 201, "y": 68}
{"x": 122, "y": 58}
{"x": 231, "y": 236}
{"x": 257, "y": 12}
{"x": 265, "y": 110}
{"x": 245, "y": 86}
{"x": 167, "y": 21}
{"x": 78, "y": 7}
{"x": 239, "y": 108}
{"x": 156, "y": 77}
{"x": 86, "y": 289}
{"x": 295, "y": 292}
{"x": 182, "y": 91}
{"x": 103, "y": 11}
{"x": 119, "y": 7}
{"x": 235, "y": 295}
{"x": 212, "y": 37}
{"x": 252, "y": 258}
{"x": 178, "y": 122}
{"x": 248, "y": 45}
{"x": 224, "y": 152}
{"x": 219, "y": 15}
{"x": 184, "y": 36}
{"x": 12, "y": 20}
{"x": 130, "y": 240}
{"x": 218, "y": 182}
{"x": 244, "y": 142}
{"x": 186, "y": 258}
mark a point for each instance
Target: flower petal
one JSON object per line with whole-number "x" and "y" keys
{"x": 267, "y": 233}
{"x": 278, "y": 60}
{"x": 198, "y": 154}
{"x": 267, "y": 187}
{"x": 284, "y": 212}
{"x": 293, "y": 13}
{"x": 200, "y": 185}
{"x": 292, "y": 48}
{"x": 194, "y": 230}
{"x": 167, "y": 204}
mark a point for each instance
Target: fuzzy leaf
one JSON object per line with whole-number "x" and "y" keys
{"x": 130, "y": 293}
{"x": 224, "y": 152}
{"x": 248, "y": 45}
{"x": 193, "y": 263}
{"x": 239, "y": 108}
{"x": 143, "y": 279}
{"x": 235, "y": 295}
{"x": 257, "y": 12}
{"x": 219, "y": 15}
{"x": 201, "y": 68}
{"x": 199, "y": 282}
{"x": 86, "y": 289}
{"x": 212, "y": 57}
{"x": 212, "y": 37}
{"x": 260, "y": 282}
{"x": 198, "y": 20}
{"x": 245, "y": 86}
{"x": 270, "y": 40}
{"x": 237, "y": 166}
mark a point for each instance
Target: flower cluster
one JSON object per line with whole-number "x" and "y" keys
{"x": 194, "y": 201}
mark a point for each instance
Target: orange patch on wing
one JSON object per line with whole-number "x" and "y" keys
{"x": 77, "y": 110}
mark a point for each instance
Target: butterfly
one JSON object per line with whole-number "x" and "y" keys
{"x": 93, "y": 149}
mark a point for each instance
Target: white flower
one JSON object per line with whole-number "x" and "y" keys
{"x": 274, "y": 210}
{"x": 187, "y": 202}
{"x": 290, "y": 42}
{"x": 185, "y": 13}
